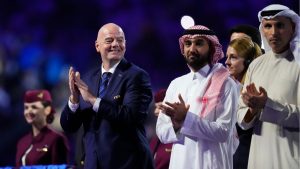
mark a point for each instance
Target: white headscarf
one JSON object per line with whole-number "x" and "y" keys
{"x": 281, "y": 10}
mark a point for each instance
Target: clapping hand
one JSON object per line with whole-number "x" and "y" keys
{"x": 79, "y": 87}
{"x": 176, "y": 111}
{"x": 253, "y": 98}
{"x": 74, "y": 97}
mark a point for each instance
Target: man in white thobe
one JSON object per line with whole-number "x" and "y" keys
{"x": 198, "y": 114}
{"x": 273, "y": 108}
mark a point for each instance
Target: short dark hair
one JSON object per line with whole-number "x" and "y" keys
{"x": 249, "y": 30}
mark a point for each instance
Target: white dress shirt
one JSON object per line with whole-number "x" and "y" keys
{"x": 96, "y": 105}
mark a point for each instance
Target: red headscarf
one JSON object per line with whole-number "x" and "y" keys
{"x": 199, "y": 30}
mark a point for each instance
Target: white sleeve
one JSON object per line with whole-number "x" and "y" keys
{"x": 164, "y": 127}
{"x": 241, "y": 115}
{"x": 217, "y": 130}
{"x": 96, "y": 104}
{"x": 73, "y": 107}
{"x": 242, "y": 109}
{"x": 286, "y": 115}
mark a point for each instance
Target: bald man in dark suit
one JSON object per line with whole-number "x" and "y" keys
{"x": 112, "y": 116}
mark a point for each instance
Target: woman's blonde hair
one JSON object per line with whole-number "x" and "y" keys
{"x": 246, "y": 49}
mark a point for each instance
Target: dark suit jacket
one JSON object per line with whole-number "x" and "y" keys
{"x": 114, "y": 137}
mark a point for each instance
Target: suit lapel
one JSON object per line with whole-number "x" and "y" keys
{"x": 95, "y": 83}
{"x": 117, "y": 76}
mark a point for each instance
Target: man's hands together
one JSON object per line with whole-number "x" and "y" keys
{"x": 79, "y": 87}
{"x": 176, "y": 111}
{"x": 255, "y": 100}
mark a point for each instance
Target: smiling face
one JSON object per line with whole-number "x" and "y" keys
{"x": 278, "y": 32}
{"x": 35, "y": 113}
{"x": 110, "y": 43}
{"x": 196, "y": 52}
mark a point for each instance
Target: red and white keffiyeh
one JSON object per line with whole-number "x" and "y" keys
{"x": 199, "y": 30}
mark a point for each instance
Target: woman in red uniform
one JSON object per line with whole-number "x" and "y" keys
{"x": 42, "y": 145}
{"x": 161, "y": 152}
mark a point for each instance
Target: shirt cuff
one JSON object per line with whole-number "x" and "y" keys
{"x": 272, "y": 112}
{"x": 73, "y": 107}
{"x": 96, "y": 104}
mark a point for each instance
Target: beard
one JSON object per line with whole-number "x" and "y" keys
{"x": 197, "y": 61}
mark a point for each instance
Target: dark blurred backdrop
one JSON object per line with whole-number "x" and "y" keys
{"x": 40, "y": 39}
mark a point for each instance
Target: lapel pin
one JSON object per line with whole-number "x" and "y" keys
{"x": 43, "y": 149}
{"x": 117, "y": 97}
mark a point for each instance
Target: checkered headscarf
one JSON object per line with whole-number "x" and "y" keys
{"x": 199, "y": 30}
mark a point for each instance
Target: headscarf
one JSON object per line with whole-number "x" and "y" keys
{"x": 202, "y": 31}
{"x": 275, "y": 10}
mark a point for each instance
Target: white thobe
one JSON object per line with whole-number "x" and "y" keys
{"x": 201, "y": 143}
{"x": 275, "y": 138}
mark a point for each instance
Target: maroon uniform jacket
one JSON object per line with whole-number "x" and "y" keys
{"x": 48, "y": 147}
{"x": 161, "y": 153}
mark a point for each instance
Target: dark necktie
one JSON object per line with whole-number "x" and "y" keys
{"x": 104, "y": 82}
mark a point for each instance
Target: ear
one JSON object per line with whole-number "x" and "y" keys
{"x": 96, "y": 46}
{"x": 293, "y": 26}
{"x": 48, "y": 110}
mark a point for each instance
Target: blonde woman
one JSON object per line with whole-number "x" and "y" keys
{"x": 240, "y": 53}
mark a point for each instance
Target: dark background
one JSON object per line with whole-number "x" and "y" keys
{"x": 41, "y": 39}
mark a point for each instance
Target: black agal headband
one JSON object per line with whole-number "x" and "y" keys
{"x": 197, "y": 31}
{"x": 270, "y": 12}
